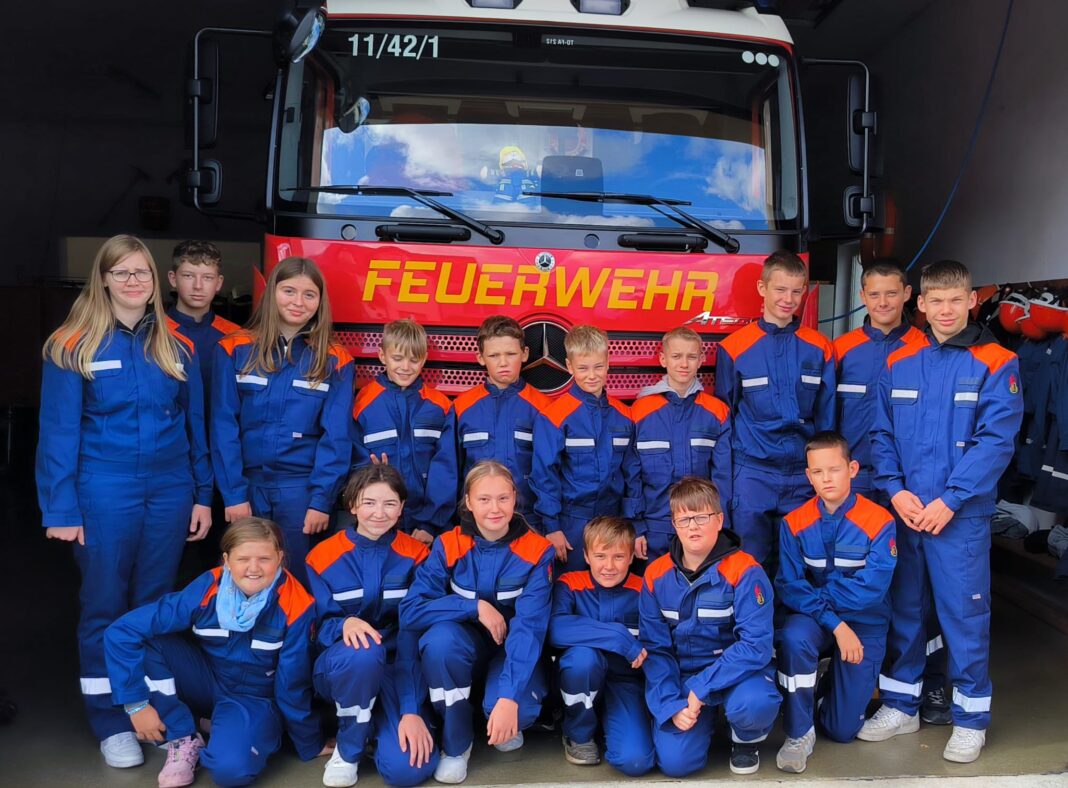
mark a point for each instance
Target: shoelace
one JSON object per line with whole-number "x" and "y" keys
{"x": 794, "y": 745}
{"x": 937, "y": 697}
{"x": 966, "y": 736}
{"x": 883, "y": 716}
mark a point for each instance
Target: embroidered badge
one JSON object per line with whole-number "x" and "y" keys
{"x": 893, "y": 547}
{"x": 1014, "y": 387}
{"x": 759, "y": 594}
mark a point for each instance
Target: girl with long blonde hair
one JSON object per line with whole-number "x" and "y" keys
{"x": 122, "y": 462}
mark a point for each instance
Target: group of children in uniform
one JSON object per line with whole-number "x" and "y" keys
{"x": 420, "y": 607}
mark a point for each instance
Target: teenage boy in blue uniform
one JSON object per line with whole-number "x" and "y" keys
{"x": 778, "y": 379}
{"x": 401, "y": 420}
{"x": 705, "y": 619}
{"x": 836, "y": 558}
{"x": 679, "y": 430}
{"x": 595, "y": 624}
{"x": 949, "y": 410}
{"x": 585, "y": 465}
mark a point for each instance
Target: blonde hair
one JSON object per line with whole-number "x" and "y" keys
{"x": 585, "y": 340}
{"x": 265, "y": 326}
{"x": 405, "y": 336}
{"x": 251, "y": 529}
{"x": 785, "y": 261}
{"x": 74, "y": 345}
{"x": 608, "y": 531}
{"x": 485, "y": 469}
{"x": 694, "y": 493}
{"x": 944, "y": 275}
{"x": 682, "y": 333}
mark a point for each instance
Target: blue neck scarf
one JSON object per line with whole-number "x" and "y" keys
{"x": 236, "y": 611}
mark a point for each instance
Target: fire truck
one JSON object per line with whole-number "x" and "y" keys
{"x": 621, "y": 163}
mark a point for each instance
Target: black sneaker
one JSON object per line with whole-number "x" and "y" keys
{"x": 935, "y": 709}
{"x": 745, "y": 758}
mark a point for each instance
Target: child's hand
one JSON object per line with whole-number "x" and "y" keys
{"x": 415, "y": 739}
{"x": 147, "y": 725}
{"x": 934, "y": 517}
{"x": 316, "y": 521}
{"x": 849, "y": 644}
{"x": 376, "y": 460}
{"x": 199, "y": 522}
{"x": 684, "y": 719}
{"x": 237, "y": 511}
{"x": 637, "y": 663}
{"x": 503, "y": 722}
{"x": 641, "y": 547}
{"x": 559, "y": 541}
{"x": 908, "y": 508}
{"x": 67, "y": 533}
{"x": 358, "y": 633}
{"x": 425, "y": 537}
{"x": 493, "y": 621}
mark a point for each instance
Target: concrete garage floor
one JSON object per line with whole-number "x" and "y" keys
{"x": 49, "y": 743}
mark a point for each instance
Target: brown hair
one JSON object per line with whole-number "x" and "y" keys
{"x": 944, "y": 275}
{"x": 498, "y": 326}
{"x": 694, "y": 493}
{"x": 484, "y": 469}
{"x": 405, "y": 335}
{"x": 364, "y": 477}
{"x": 585, "y": 340}
{"x": 608, "y": 531}
{"x": 251, "y": 529}
{"x": 196, "y": 253}
{"x": 884, "y": 266}
{"x": 829, "y": 439}
{"x": 785, "y": 261}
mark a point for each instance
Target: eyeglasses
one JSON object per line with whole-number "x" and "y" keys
{"x": 122, "y": 275}
{"x": 699, "y": 520}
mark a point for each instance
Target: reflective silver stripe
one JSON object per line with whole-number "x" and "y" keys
{"x": 212, "y": 633}
{"x": 750, "y": 382}
{"x": 819, "y": 563}
{"x": 395, "y": 593}
{"x": 966, "y": 396}
{"x": 471, "y": 437}
{"x": 307, "y": 384}
{"x": 181, "y": 366}
{"x": 162, "y": 686}
{"x": 852, "y": 388}
{"x": 361, "y": 713}
{"x": 717, "y": 652}
{"x": 850, "y": 562}
{"x": 95, "y": 686}
{"x": 800, "y": 681}
{"x": 813, "y": 379}
{"x": 934, "y": 644}
{"x": 524, "y": 436}
{"x": 578, "y": 442}
{"x": 266, "y": 645}
{"x": 585, "y": 698}
{"x": 450, "y": 696}
{"x": 633, "y": 631}
{"x": 257, "y": 379}
{"x": 97, "y": 366}
{"x": 712, "y": 612}
{"x": 971, "y": 705}
{"x": 509, "y": 594}
{"x": 425, "y": 433}
{"x": 298, "y": 434}
{"x": 344, "y": 596}
{"x": 1058, "y": 475}
{"x": 737, "y": 740}
{"x": 960, "y": 444}
{"x": 621, "y": 441}
{"x": 672, "y": 614}
{"x": 904, "y": 393}
{"x": 900, "y": 687}
{"x": 707, "y": 442}
{"x": 462, "y": 591}
{"x": 371, "y": 437}
{"x": 646, "y": 445}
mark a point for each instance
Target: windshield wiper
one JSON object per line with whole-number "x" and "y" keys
{"x": 422, "y": 196}
{"x": 674, "y": 212}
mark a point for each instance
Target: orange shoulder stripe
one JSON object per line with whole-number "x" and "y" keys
{"x": 365, "y": 397}
{"x": 540, "y": 402}
{"x": 742, "y": 339}
{"x": 910, "y": 349}
{"x": 174, "y": 329}
{"x": 530, "y": 547}
{"x": 342, "y": 355}
{"x": 645, "y": 406}
{"x": 803, "y": 516}
{"x": 992, "y": 356}
{"x": 847, "y": 342}
{"x": 868, "y": 516}
{"x": 658, "y": 569}
{"x": 619, "y": 406}
{"x": 468, "y": 398}
{"x": 714, "y": 405}
{"x": 213, "y": 589}
{"x": 577, "y": 581}
{"x": 734, "y": 566}
{"x": 435, "y": 396}
{"x": 293, "y": 599}
{"x": 456, "y": 544}
{"x": 225, "y": 326}
{"x": 324, "y": 554}
{"x": 235, "y": 340}
{"x": 816, "y": 339}
{"x": 561, "y": 408}
{"x": 410, "y": 547}
{"x": 633, "y": 582}
{"x": 912, "y": 335}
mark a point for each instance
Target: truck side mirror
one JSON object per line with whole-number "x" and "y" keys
{"x": 202, "y": 88}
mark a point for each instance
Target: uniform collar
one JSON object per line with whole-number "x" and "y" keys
{"x": 876, "y": 335}
{"x": 663, "y": 387}
{"x": 588, "y": 398}
{"x": 384, "y": 381}
{"x": 971, "y": 335}
{"x": 840, "y": 512}
{"x": 188, "y": 320}
{"x": 148, "y": 319}
{"x": 516, "y": 528}
{"x": 363, "y": 543}
{"x": 726, "y": 543}
{"x": 508, "y": 391}
{"x": 772, "y": 329}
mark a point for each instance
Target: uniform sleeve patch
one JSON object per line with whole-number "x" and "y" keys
{"x": 893, "y": 547}
{"x": 1014, "y": 387}
{"x": 758, "y": 592}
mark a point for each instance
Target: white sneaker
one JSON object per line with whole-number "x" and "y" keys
{"x": 964, "y": 745}
{"x": 887, "y": 723}
{"x": 339, "y": 773}
{"x": 452, "y": 769}
{"x": 793, "y": 755}
{"x": 122, "y": 751}
{"x": 512, "y": 744}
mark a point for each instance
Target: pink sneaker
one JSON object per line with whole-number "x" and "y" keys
{"x": 182, "y": 756}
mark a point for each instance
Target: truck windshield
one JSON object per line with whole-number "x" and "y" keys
{"x": 490, "y": 114}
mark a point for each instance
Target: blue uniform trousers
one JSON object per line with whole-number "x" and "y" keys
{"x": 287, "y": 506}
{"x": 588, "y": 675}
{"x": 762, "y": 497}
{"x": 363, "y": 688}
{"x": 135, "y": 531}
{"x": 453, "y": 655}
{"x": 799, "y": 645}
{"x": 750, "y": 706}
{"x": 952, "y": 572}
{"x": 245, "y": 729}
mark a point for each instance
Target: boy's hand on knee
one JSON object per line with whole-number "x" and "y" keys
{"x": 641, "y": 550}
{"x": 315, "y": 521}
{"x": 237, "y": 511}
{"x": 492, "y": 620}
{"x": 358, "y": 633}
{"x": 147, "y": 725}
{"x": 908, "y": 508}
{"x": 637, "y": 663}
{"x": 559, "y": 541}
{"x": 425, "y": 537}
{"x": 199, "y": 522}
{"x": 415, "y": 740}
{"x": 849, "y": 644}
{"x": 503, "y": 723}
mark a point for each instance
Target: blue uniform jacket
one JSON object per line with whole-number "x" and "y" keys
{"x": 705, "y": 635}
{"x": 947, "y": 420}
{"x": 861, "y": 357}
{"x": 514, "y": 574}
{"x": 272, "y": 660}
{"x": 498, "y": 424}
{"x": 416, "y": 427}
{"x": 351, "y": 575}
{"x": 780, "y": 384}
{"x": 279, "y": 429}
{"x": 130, "y": 419}
{"x": 837, "y": 567}
{"x": 587, "y": 614}
{"x": 676, "y": 437}
{"x": 585, "y": 464}
{"x": 204, "y": 335}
